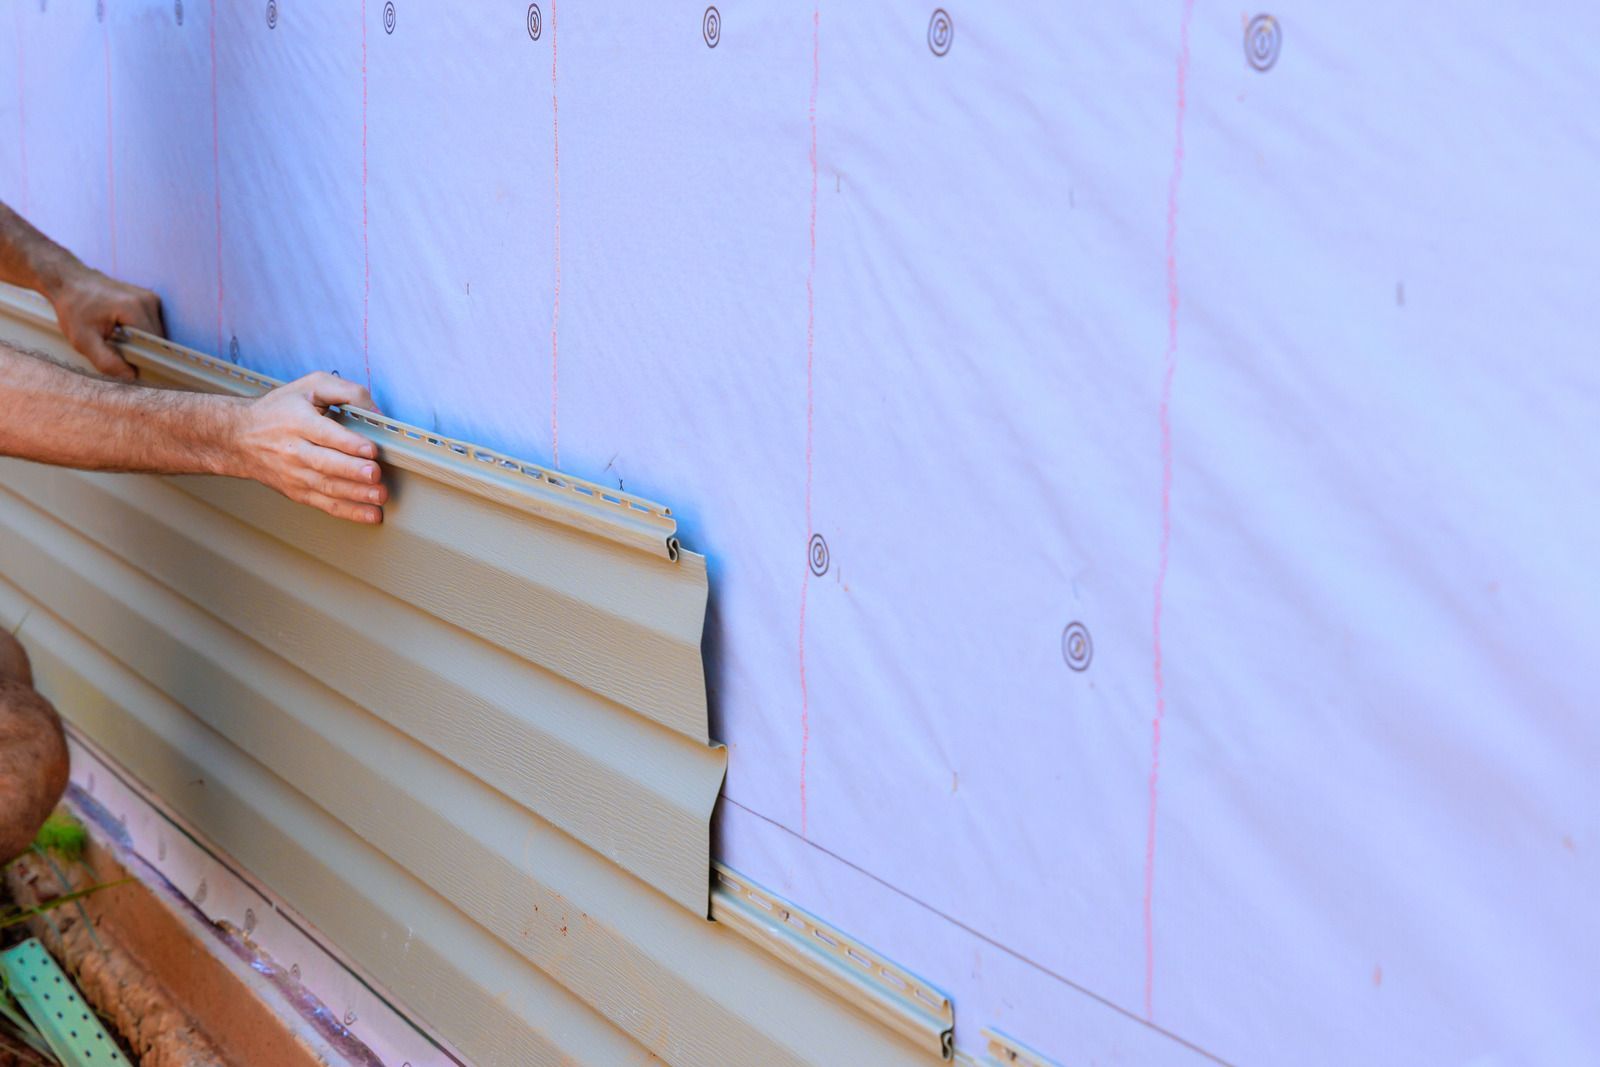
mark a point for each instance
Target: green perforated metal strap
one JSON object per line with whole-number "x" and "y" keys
{"x": 57, "y": 1008}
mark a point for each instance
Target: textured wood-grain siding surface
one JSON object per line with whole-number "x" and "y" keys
{"x": 468, "y": 745}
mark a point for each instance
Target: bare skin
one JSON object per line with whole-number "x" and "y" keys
{"x": 54, "y": 415}
{"x": 33, "y": 753}
{"x": 51, "y": 414}
{"x": 88, "y": 304}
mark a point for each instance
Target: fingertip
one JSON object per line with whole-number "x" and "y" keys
{"x": 121, "y": 371}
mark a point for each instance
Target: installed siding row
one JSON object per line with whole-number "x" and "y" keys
{"x": 468, "y": 745}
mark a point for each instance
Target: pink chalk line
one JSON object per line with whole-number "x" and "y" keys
{"x": 216, "y": 169}
{"x": 1166, "y": 514}
{"x": 555, "y": 307}
{"x": 811, "y": 348}
{"x": 366, "y": 252}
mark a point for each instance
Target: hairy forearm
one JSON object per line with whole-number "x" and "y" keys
{"x": 30, "y": 259}
{"x": 54, "y": 415}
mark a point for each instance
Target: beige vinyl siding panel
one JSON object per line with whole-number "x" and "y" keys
{"x": 554, "y": 600}
{"x": 438, "y": 962}
{"x": 469, "y": 745}
{"x": 584, "y": 763}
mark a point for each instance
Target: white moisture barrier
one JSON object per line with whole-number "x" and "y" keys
{"x": 886, "y": 309}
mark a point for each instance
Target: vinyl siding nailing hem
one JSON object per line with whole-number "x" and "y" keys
{"x": 851, "y": 970}
{"x": 1006, "y": 1051}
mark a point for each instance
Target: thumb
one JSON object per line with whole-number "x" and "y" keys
{"x": 107, "y": 360}
{"x": 329, "y": 389}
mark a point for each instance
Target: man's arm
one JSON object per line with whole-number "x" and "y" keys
{"x": 281, "y": 439}
{"x": 88, "y": 304}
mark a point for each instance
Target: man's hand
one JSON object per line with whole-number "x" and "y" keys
{"x": 285, "y": 441}
{"x": 89, "y": 305}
